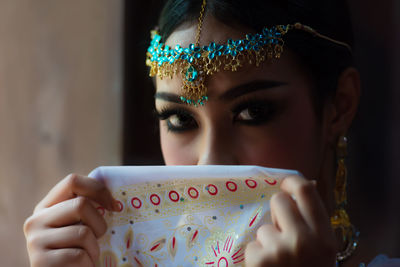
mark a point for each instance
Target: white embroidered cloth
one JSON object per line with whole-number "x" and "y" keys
{"x": 184, "y": 215}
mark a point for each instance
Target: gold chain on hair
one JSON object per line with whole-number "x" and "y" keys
{"x": 200, "y": 24}
{"x": 308, "y": 29}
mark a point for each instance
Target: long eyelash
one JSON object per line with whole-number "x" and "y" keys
{"x": 165, "y": 113}
{"x": 250, "y": 103}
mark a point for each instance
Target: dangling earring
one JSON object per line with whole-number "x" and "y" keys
{"x": 340, "y": 219}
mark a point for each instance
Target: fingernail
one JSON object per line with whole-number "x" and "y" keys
{"x": 314, "y": 182}
{"x": 101, "y": 210}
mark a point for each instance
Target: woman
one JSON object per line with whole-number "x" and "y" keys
{"x": 278, "y": 105}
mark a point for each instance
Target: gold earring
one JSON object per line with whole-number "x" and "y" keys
{"x": 340, "y": 219}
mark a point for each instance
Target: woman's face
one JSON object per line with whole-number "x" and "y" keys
{"x": 256, "y": 116}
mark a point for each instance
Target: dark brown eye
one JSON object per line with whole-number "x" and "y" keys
{"x": 180, "y": 121}
{"x": 177, "y": 120}
{"x": 254, "y": 114}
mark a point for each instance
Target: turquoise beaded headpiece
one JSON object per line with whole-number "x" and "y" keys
{"x": 195, "y": 63}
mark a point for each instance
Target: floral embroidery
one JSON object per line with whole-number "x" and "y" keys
{"x": 184, "y": 222}
{"x": 157, "y": 245}
{"x": 223, "y": 250}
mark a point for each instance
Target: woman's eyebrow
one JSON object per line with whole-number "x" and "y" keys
{"x": 231, "y": 94}
{"x": 170, "y": 97}
{"x": 250, "y": 87}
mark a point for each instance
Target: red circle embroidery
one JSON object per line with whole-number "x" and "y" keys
{"x": 223, "y": 262}
{"x": 270, "y": 183}
{"x": 173, "y": 196}
{"x": 120, "y": 205}
{"x": 136, "y": 203}
{"x": 251, "y": 183}
{"x": 190, "y": 192}
{"x": 212, "y": 191}
{"x": 231, "y": 188}
{"x": 155, "y": 199}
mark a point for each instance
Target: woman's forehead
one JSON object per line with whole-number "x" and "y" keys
{"x": 283, "y": 70}
{"x": 211, "y": 31}
{"x": 279, "y": 72}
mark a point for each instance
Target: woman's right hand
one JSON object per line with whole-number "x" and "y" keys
{"x": 65, "y": 225}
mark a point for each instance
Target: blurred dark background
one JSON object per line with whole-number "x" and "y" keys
{"x": 141, "y": 141}
{"x": 374, "y": 165}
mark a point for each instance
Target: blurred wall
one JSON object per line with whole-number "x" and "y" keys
{"x": 374, "y": 181}
{"x": 60, "y": 102}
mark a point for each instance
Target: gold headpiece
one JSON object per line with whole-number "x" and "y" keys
{"x": 196, "y": 62}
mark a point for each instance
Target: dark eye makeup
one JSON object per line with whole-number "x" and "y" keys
{"x": 254, "y": 112}
{"x": 177, "y": 119}
{"x": 250, "y": 112}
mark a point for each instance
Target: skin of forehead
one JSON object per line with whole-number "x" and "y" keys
{"x": 215, "y": 31}
{"x": 212, "y": 31}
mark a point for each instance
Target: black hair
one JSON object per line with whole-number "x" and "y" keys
{"x": 325, "y": 60}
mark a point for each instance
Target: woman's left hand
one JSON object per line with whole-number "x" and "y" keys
{"x": 301, "y": 234}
